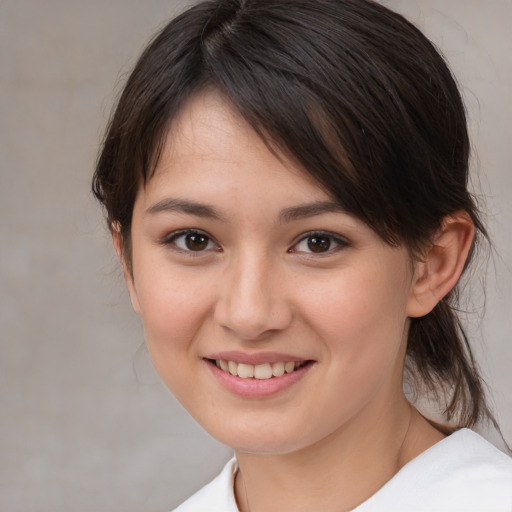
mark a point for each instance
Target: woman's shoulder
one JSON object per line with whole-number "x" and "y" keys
{"x": 217, "y": 496}
{"x": 468, "y": 457}
{"x": 463, "y": 472}
{"x": 477, "y": 450}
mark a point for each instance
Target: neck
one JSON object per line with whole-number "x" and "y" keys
{"x": 337, "y": 473}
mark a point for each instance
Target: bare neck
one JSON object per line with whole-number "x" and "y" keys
{"x": 339, "y": 472}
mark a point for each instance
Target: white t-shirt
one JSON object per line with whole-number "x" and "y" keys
{"x": 461, "y": 473}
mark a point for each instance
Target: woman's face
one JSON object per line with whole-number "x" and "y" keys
{"x": 240, "y": 260}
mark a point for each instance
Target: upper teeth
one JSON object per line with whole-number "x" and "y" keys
{"x": 257, "y": 371}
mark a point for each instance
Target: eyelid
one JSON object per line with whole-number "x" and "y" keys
{"x": 340, "y": 241}
{"x": 169, "y": 240}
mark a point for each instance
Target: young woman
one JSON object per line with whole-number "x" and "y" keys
{"x": 285, "y": 183}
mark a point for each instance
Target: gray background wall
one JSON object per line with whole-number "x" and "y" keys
{"x": 84, "y": 422}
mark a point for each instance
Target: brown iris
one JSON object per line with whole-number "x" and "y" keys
{"x": 196, "y": 241}
{"x": 319, "y": 243}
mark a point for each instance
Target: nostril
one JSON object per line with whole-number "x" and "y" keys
{"x": 252, "y": 320}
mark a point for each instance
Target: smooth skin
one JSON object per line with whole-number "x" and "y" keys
{"x": 273, "y": 266}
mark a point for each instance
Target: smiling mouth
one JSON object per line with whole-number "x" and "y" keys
{"x": 263, "y": 371}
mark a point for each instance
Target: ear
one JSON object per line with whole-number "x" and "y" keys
{"x": 438, "y": 273}
{"x": 117, "y": 240}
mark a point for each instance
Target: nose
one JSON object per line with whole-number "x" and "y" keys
{"x": 252, "y": 300}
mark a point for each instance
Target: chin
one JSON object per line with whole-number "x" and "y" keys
{"x": 262, "y": 438}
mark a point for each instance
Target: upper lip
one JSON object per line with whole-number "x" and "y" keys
{"x": 255, "y": 358}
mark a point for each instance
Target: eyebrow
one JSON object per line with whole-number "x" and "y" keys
{"x": 310, "y": 210}
{"x": 185, "y": 206}
{"x": 290, "y": 214}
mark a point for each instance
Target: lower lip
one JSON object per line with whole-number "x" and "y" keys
{"x": 257, "y": 388}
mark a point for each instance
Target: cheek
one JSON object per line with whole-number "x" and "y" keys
{"x": 360, "y": 313}
{"x": 174, "y": 307}
{"x": 360, "y": 326}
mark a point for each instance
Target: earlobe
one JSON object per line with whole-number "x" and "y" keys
{"x": 117, "y": 240}
{"x": 438, "y": 273}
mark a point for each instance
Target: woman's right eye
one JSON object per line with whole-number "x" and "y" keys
{"x": 192, "y": 241}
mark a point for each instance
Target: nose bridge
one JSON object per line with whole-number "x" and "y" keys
{"x": 252, "y": 303}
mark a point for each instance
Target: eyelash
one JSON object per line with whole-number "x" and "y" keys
{"x": 339, "y": 242}
{"x": 173, "y": 237}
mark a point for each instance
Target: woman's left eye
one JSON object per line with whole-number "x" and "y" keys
{"x": 318, "y": 243}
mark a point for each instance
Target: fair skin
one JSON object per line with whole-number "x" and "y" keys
{"x": 274, "y": 273}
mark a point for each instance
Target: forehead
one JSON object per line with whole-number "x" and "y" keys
{"x": 209, "y": 145}
{"x": 204, "y": 120}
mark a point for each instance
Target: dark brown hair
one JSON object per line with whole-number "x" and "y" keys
{"x": 355, "y": 94}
